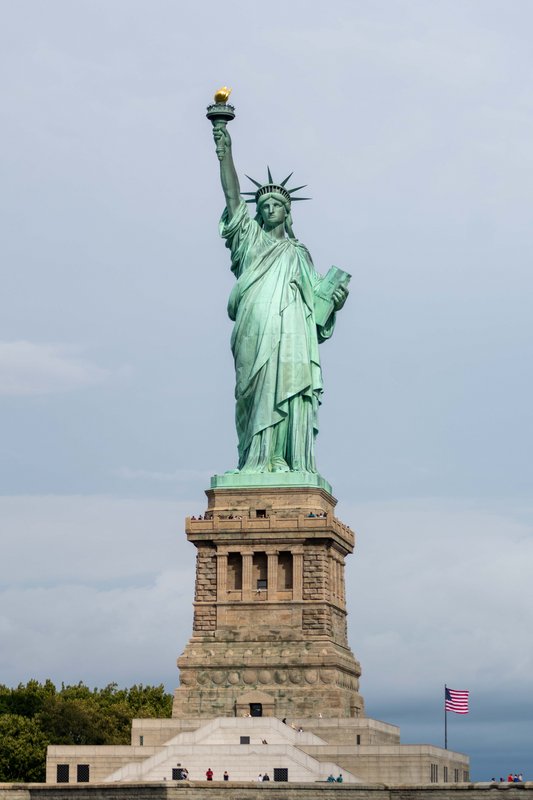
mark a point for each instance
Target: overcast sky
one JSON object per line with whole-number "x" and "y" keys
{"x": 412, "y": 124}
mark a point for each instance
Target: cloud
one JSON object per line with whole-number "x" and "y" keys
{"x": 64, "y": 631}
{"x": 93, "y": 540}
{"x": 28, "y": 368}
{"x": 435, "y": 592}
{"x": 106, "y": 575}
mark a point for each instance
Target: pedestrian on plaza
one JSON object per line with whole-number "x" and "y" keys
{"x": 340, "y": 779}
{"x": 226, "y": 776}
{"x": 209, "y": 774}
{"x": 266, "y": 777}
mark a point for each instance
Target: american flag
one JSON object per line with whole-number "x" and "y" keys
{"x": 456, "y": 700}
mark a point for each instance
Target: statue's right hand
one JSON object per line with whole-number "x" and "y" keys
{"x": 222, "y": 140}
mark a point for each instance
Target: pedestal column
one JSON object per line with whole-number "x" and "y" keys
{"x": 297, "y": 573}
{"x": 272, "y": 575}
{"x": 247, "y": 558}
{"x": 222, "y": 576}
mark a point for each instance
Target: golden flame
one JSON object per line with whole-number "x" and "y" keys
{"x": 221, "y": 95}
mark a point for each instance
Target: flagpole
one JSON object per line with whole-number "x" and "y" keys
{"x": 445, "y": 721}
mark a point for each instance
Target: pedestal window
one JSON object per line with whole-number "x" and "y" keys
{"x": 234, "y": 572}
{"x": 284, "y": 571}
{"x": 260, "y": 571}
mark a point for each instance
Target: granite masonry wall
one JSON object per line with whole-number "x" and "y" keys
{"x": 256, "y": 791}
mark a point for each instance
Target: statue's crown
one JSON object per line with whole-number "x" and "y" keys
{"x": 273, "y": 188}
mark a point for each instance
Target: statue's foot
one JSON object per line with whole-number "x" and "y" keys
{"x": 232, "y": 472}
{"x": 280, "y": 465}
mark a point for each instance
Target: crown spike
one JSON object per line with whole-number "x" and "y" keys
{"x": 300, "y": 198}
{"x": 255, "y": 182}
{"x": 286, "y": 179}
{"x": 270, "y": 178}
{"x": 296, "y": 188}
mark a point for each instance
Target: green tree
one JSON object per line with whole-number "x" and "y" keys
{"x": 36, "y": 715}
{"x": 149, "y": 701}
{"x": 22, "y": 749}
{"x": 26, "y": 700}
{"x": 72, "y": 721}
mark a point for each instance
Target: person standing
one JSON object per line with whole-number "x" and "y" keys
{"x": 226, "y": 776}
{"x": 209, "y": 774}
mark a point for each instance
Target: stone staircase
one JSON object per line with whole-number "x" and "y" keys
{"x": 216, "y": 745}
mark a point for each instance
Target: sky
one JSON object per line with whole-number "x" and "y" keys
{"x": 411, "y": 122}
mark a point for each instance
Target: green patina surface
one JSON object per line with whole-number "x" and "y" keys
{"x": 249, "y": 480}
{"x": 282, "y": 309}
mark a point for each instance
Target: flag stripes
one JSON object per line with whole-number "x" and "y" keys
{"x": 456, "y": 700}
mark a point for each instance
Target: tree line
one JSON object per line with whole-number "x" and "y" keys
{"x": 34, "y": 715}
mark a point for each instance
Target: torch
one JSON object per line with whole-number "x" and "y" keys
{"x": 220, "y": 113}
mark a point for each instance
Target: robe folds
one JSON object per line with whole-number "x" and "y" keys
{"x": 274, "y": 344}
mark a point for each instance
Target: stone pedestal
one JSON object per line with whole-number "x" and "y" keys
{"x": 269, "y": 631}
{"x": 269, "y": 639}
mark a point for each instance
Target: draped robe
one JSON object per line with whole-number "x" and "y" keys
{"x": 275, "y": 346}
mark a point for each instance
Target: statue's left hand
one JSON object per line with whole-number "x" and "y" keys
{"x": 339, "y": 297}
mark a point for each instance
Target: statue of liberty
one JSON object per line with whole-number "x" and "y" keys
{"x": 278, "y": 324}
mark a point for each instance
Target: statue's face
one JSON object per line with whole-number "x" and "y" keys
{"x": 272, "y": 212}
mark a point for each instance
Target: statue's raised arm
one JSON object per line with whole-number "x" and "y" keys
{"x": 228, "y": 174}
{"x": 220, "y": 113}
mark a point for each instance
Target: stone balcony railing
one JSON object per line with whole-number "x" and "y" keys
{"x": 301, "y": 523}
